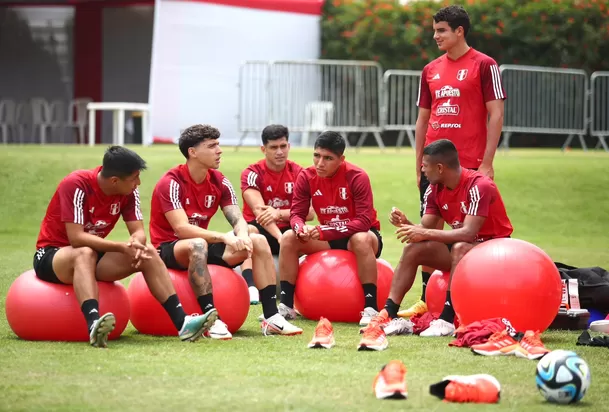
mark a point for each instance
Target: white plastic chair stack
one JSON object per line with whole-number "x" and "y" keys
{"x": 318, "y": 116}
{"x": 77, "y": 117}
{"x": 45, "y": 116}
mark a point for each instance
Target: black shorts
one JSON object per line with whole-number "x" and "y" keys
{"x": 273, "y": 243}
{"x": 43, "y": 263}
{"x": 422, "y": 188}
{"x": 342, "y": 243}
{"x": 214, "y": 255}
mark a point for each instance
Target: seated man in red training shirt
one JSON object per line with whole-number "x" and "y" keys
{"x": 72, "y": 249}
{"x": 267, "y": 187}
{"x": 472, "y": 205}
{"x": 341, "y": 196}
{"x": 183, "y": 202}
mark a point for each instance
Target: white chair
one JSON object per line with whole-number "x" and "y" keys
{"x": 8, "y": 119}
{"x": 45, "y": 116}
{"x": 318, "y": 115}
{"x": 77, "y": 117}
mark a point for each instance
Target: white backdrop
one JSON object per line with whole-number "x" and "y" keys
{"x": 196, "y": 53}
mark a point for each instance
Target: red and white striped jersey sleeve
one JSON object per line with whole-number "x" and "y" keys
{"x": 72, "y": 197}
{"x": 132, "y": 210}
{"x": 250, "y": 179}
{"x": 492, "y": 87}
{"x": 228, "y": 197}
{"x": 170, "y": 194}
{"x": 480, "y": 197}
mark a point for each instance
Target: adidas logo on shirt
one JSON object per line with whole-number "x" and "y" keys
{"x": 436, "y": 77}
{"x": 317, "y": 193}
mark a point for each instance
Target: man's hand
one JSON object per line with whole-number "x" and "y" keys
{"x": 239, "y": 243}
{"x": 487, "y": 170}
{"x": 269, "y": 215}
{"x": 410, "y": 234}
{"x": 397, "y": 218}
{"x": 137, "y": 251}
{"x": 306, "y": 233}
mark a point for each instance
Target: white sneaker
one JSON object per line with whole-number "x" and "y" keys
{"x": 277, "y": 325}
{"x": 287, "y": 312}
{"x": 439, "y": 327}
{"x": 398, "y": 326}
{"x": 254, "y": 295}
{"x": 101, "y": 328}
{"x": 367, "y": 315}
{"x": 218, "y": 330}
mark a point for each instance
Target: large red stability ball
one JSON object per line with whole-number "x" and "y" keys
{"x": 39, "y": 310}
{"x": 507, "y": 278}
{"x": 328, "y": 286}
{"x": 435, "y": 291}
{"x": 231, "y": 299}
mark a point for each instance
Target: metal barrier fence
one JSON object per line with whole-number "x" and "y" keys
{"x": 544, "y": 100}
{"x": 599, "y": 107}
{"x": 400, "y": 103}
{"x": 312, "y": 96}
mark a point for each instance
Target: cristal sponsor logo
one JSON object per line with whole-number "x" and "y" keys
{"x": 447, "y": 91}
{"x": 447, "y": 109}
{"x": 278, "y": 203}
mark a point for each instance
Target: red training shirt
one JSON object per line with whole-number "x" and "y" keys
{"x": 457, "y": 91}
{"x": 79, "y": 199}
{"x": 276, "y": 188}
{"x": 343, "y": 203}
{"x": 200, "y": 201}
{"x": 475, "y": 195}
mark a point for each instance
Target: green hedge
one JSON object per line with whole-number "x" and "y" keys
{"x": 551, "y": 33}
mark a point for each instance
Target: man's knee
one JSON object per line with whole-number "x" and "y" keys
{"x": 289, "y": 239}
{"x": 459, "y": 249}
{"x": 261, "y": 245}
{"x": 85, "y": 253}
{"x": 252, "y": 229}
{"x": 196, "y": 247}
{"x": 360, "y": 243}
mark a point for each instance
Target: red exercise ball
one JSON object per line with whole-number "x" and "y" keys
{"x": 39, "y": 310}
{"x": 328, "y": 286}
{"x": 435, "y": 291}
{"x": 507, "y": 278}
{"x": 231, "y": 299}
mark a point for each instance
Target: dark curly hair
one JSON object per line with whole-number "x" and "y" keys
{"x": 192, "y": 136}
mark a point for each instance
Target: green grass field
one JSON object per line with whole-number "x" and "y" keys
{"x": 557, "y": 201}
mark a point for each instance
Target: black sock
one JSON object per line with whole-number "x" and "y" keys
{"x": 370, "y": 295}
{"x": 425, "y": 278}
{"x": 174, "y": 309}
{"x": 90, "y": 308}
{"x": 268, "y": 298}
{"x": 248, "y": 275}
{"x": 206, "y": 302}
{"x": 287, "y": 294}
{"x": 392, "y": 308}
{"x": 448, "y": 313}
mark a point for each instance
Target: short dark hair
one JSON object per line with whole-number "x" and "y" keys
{"x": 443, "y": 151}
{"x": 331, "y": 141}
{"x": 193, "y": 135}
{"x": 274, "y": 132}
{"x": 121, "y": 162}
{"x": 455, "y": 16}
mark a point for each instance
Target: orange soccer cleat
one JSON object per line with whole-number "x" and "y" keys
{"x": 374, "y": 339}
{"x": 390, "y": 382}
{"x": 323, "y": 337}
{"x": 499, "y": 344}
{"x": 380, "y": 320}
{"x": 531, "y": 346}
{"x": 473, "y": 388}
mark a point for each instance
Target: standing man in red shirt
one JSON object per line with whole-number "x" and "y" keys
{"x": 470, "y": 202}
{"x": 341, "y": 196}
{"x": 72, "y": 249}
{"x": 183, "y": 202}
{"x": 267, "y": 188}
{"x": 461, "y": 99}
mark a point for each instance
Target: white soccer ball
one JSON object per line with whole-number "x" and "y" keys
{"x": 562, "y": 377}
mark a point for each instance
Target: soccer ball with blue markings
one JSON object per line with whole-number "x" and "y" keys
{"x": 562, "y": 377}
